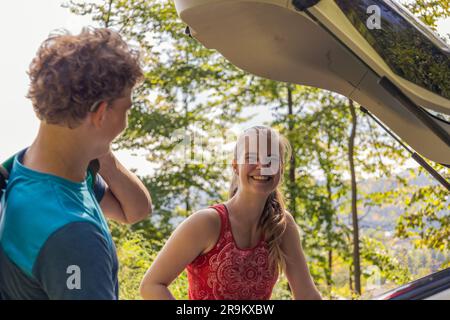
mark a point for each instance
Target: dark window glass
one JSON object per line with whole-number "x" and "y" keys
{"x": 410, "y": 49}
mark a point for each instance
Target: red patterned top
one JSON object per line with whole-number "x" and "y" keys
{"x": 229, "y": 273}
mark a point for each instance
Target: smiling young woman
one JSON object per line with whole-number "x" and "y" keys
{"x": 237, "y": 249}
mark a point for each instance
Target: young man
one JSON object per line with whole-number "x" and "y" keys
{"x": 54, "y": 239}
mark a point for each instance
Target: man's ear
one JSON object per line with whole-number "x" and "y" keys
{"x": 99, "y": 115}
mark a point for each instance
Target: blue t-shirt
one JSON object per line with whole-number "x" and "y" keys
{"x": 54, "y": 240}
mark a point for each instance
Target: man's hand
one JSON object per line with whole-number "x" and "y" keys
{"x": 126, "y": 199}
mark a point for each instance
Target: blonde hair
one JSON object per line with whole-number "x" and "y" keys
{"x": 273, "y": 220}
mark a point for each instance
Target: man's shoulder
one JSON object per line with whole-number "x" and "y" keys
{"x": 35, "y": 201}
{"x": 40, "y": 205}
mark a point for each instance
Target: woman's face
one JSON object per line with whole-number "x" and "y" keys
{"x": 258, "y": 161}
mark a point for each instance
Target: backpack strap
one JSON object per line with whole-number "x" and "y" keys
{"x": 3, "y": 178}
{"x": 93, "y": 168}
{"x": 92, "y": 171}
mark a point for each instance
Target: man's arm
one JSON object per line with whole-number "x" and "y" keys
{"x": 77, "y": 263}
{"x": 126, "y": 199}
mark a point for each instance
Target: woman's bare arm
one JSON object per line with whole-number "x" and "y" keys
{"x": 197, "y": 233}
{"x": 297, "y": 272}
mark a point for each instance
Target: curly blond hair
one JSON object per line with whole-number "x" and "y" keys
{"x": 70, "y": 73}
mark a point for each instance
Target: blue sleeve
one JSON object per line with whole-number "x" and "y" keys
{"x": 99, "y": 188}
{"x": 76, "y": 263}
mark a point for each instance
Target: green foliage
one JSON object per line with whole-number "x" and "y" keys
{"x": 136, "y": 253}
{"x": 376, "y": 254}
{"x": 429, "y": 11}
{"x": 426, "y": 219}
{"x": 281, "y": 290}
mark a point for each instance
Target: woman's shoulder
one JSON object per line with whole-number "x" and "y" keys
{"x": 208, "y": 222}
{"x": 291, "y": 224}
{"x": 207, "y": 219}
{"x": 290, "y": 218}
{"x": 292, "y": 231}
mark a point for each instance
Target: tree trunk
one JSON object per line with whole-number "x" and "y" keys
{"x": 187, "y": 201}
{"x": 350, "y": 278}
{"x": 330, "y": 272}
{"x": 190, "y": 150}
{"x": 292, "y": 193}
{"x": 329, "y": 231}
{"x": 356, "y": 254}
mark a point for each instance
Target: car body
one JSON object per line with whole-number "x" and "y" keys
{"x": 435, "y": 286}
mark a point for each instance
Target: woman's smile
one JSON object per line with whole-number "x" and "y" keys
{"x": 261, "y": 178}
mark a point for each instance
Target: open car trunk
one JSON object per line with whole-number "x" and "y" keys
{"x": 327, "y": 44}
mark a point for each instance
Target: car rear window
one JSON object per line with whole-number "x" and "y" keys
{"x": 410, "y": 49}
